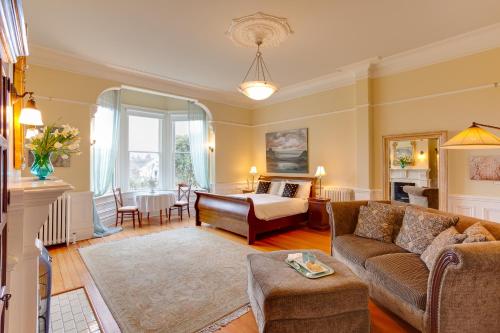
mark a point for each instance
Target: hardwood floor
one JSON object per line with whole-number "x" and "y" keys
{"x": 69, "y": 271}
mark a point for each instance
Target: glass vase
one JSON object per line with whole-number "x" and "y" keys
{"x": 42, "y": 165}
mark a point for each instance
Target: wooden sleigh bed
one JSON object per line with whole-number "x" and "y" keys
{"x": 238, "y": 214}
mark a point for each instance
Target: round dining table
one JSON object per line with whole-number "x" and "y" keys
{"x": 153, "y": 202}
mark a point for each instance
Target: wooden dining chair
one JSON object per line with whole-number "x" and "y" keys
{"x": 122, "y": 210}
{"x": 183, "y": 195}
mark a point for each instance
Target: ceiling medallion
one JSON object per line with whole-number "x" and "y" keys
{"x": 264, "y": 31}
{"x": 270, "y": 30}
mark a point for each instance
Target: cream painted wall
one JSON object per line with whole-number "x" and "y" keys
{"x": 73, "y": 96}
{"x": 452, "y": 112}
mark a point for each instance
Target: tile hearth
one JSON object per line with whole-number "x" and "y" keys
{"x": 71, "y": 312}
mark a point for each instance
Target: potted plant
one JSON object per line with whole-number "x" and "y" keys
{"x": 51, "y": 142}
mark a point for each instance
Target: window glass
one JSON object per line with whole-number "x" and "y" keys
{"x": 144, "y": 152}
{"x": 183, "y": 165}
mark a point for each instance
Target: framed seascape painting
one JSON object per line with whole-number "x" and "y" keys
{"x": 286, "y": 151}
{"x": 484, "y": 168}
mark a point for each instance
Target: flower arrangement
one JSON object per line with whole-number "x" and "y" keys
{"x": 52, "y": 141}
{"x": 404, "y": 160}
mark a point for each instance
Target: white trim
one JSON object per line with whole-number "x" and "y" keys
{"x": 451, "y": 48}
{"x": 446, "y": 93}
{"x": 482, "y": 207}
{"x": 462, "y": 45}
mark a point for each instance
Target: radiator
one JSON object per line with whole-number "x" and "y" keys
{"x": 338, "y": 193}
{"x": 55, "y": 230}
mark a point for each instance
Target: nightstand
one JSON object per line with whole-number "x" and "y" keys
{"x": 318, "y": 214}
{"x": 247, "y": 190}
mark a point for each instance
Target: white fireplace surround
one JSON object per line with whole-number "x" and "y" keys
{"x": 417, "y": 176}
{"x": 28, "y": 208}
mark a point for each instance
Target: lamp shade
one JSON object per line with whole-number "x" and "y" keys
{"x": 30, "y": 115}
{"x": 320, "y": 171}
{"x": 253, "y": 170}
{"x": 257, "y": 90}
{"x": 473, "y": 137}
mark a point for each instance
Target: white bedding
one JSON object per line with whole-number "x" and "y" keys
{"x": 270, "y": 207}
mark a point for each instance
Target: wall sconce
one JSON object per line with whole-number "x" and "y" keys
{"x": 30, "y": 115}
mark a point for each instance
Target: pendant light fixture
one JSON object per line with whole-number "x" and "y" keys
{"x": 263, "y": 30}
{"x": 260, "y": 87}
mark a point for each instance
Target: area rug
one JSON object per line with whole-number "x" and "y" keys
{"x": 180, "y": 281}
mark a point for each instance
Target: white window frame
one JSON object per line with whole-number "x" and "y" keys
{"x": 167, "y": 144}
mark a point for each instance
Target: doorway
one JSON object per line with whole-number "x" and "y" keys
{"x": 415, "y": 169}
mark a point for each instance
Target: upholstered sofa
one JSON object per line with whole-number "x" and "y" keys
{"x": 461, "y": 293}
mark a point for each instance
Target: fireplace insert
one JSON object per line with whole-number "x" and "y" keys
{"x": 399, "y": 194}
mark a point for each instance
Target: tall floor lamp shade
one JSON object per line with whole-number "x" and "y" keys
{"x": 320, "y": 173}
{"x": 474, "y": 137}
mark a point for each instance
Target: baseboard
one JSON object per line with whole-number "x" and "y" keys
{"x": 486, "y": 208}
{"x": 367, "y": 194}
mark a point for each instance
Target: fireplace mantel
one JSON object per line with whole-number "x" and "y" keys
{"x": 29, "y": 201}
{"x": 419, "y": 176}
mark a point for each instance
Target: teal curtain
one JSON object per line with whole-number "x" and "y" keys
{"x": 198, "y": 144}
{"x": 105, "y": 132}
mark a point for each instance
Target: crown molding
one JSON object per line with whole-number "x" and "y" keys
{"x": 469, "y": 43}
{"x": 455, "y": 47}
{"x": 45, "y": 57}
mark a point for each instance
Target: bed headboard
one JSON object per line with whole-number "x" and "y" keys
{"x": 291, "y": 179}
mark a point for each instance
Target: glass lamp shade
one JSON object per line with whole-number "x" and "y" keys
{"x": 473, "y": 137}
{"x": 253, "y": 170}
{"x": 258, "y": 90}
{"x": 320, "y": 171}
{"x": 30, "y": 116}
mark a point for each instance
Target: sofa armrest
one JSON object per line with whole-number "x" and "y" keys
{"x": 463, "y": 290}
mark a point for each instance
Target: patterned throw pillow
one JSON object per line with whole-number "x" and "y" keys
{"x": 477, "y": 233}
{"x": 376, "y": 222}
{"x": 290, "y": 190}
{"x": 448, "y": 237}
{"x": 263, "y": 187}
{"x": 397, "y": 210}
{"x": 420, "y": 228}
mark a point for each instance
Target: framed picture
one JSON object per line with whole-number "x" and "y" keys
{"x": 403, "y": 148}
{"x": 286, "y": 151}
{"x": 484, "y": 167}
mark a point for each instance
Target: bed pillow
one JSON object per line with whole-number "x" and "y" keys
{"x": 263, "y": 187}
{"x": 376, "y": 222}
{"x": 275, "y": 188}
{"x": 420, "y": 228}
{"x": 448, "y": 237}
{"x": 477, "y": 233}
{"x": 304, "y": 190}
{"x": 290, "y": 190}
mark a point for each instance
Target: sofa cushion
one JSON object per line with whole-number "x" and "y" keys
{"x": 403, "y": 274}
{"x": 420, "y": 227}
{"x": 397, "y": 209}
{"x": 477, "y": 233}
{"x": 375, "y": 222}
{"x": 358, "y": 249}
{"x": 448, "y": 237}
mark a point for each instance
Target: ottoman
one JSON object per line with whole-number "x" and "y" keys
{"x": 284, "y": 301}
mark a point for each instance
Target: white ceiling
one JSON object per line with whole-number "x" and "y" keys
{"x": 185, "y": 40}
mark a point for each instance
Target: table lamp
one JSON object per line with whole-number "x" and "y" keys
{"x": 320, "y": 172}
{"x": 253, "y": 172}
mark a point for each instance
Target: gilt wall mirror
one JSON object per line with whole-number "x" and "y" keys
{"x": 415, "y": 169}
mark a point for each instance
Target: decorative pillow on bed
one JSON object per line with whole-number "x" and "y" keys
{"x": 304, "y": 190}
{"x": 478, "y": 233}
{"x": 420, "y": 228}
{"x": 290, "y": 190}
{"x": 263, "y": 187}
